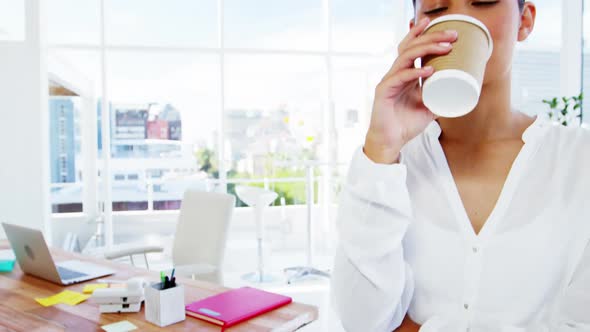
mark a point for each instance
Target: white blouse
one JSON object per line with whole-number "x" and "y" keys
{"x": 407, "y": 246}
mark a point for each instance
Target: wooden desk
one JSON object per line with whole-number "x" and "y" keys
{"x": 20, "y": 312}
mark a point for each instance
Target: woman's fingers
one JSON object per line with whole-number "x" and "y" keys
{"x": 407, "y": 59}
{"x": 433, "y": 38}
{"x": 401, "y": 79}
{"x": 414, "y": 32}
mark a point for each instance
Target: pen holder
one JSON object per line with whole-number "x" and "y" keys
{"x": 164, "y": 307}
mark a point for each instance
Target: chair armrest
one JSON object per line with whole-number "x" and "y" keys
{"x": 134, "y": 250}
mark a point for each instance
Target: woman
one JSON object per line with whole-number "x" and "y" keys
{"x": 475, "y": 223}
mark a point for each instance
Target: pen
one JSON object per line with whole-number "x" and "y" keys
{"x": 172, "y": 276}
{"x": 162, "y": 276}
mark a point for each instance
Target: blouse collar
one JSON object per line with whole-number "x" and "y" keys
{"x": 535, "y": 130}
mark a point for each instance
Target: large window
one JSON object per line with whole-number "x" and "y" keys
{"x": 12, "y": 20}
{"x": 366, "y": 26}
{"x": 164, "y": 108}
{"x": 273, "y": 117}
{"x": 74, "y": 78}
{"x": 170, "y": 23}
{"x": 271, "y": 24}
{"x": 211, "y": 94}
{"x": 65, "y": 153}
{"x": 73, "y": 22}
{"x": 275, "y": 90}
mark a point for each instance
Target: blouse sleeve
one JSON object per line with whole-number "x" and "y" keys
{"x": 372, "y": 285}
{"x": 572, "y": 311}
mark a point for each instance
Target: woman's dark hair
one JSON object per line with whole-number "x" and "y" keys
{"x": 520, "y": 3}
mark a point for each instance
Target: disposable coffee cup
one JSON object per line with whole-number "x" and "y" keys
{"x": 454, "y": 88}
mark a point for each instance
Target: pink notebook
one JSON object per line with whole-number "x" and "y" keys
{"x": 236, "y": 305}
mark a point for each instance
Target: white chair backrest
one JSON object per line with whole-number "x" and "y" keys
{"x": 203, "y": 224}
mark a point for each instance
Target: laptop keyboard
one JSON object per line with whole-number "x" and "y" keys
{"x": 67, "y": 274}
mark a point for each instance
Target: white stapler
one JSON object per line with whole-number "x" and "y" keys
{"x": 121, "y": 299}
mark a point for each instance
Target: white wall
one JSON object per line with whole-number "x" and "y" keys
{"x": 24, "y": 139}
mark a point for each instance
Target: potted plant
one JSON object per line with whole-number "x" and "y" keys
{"x": 565, "y": 111}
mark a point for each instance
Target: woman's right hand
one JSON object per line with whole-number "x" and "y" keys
{"x": 399, "y": 114}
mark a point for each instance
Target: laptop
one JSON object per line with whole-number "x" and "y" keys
{"x": 32, "y": 254}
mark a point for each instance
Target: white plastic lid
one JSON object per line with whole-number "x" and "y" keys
{"x": 450, "y": 93}
{"x": 465, "y": 18}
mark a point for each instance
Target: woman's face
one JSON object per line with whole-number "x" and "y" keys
{"x": 503, "y": 18}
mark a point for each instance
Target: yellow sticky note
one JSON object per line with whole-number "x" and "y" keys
{"x": 67, "y": 297}
{"x": 72, "y": 298}
{"x": 89, "y": 289}
{"x": 46, "y": 302}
